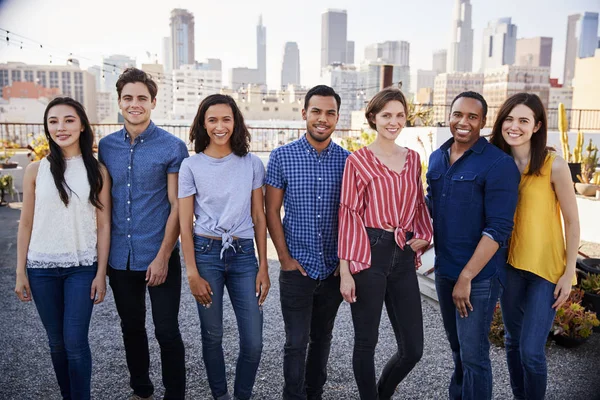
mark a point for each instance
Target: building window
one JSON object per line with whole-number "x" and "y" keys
{"x": 28, "y": 76}
{"x": 15, "y": 75}
{"x": 41, "y": 78}
{"x": 295, "y": 109}
{"x": 66, "y": 83}
{"x": 54, "y": 79}
{"x": 265, "y": 108}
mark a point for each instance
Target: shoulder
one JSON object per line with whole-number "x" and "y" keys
{"x": 192, "y": 160}
{"x": 32, "y": 169}
{"x": 340, "y": 149}
{"x": 287, "y": 148}
{"x": 558, "y": 163}
{"x": 169, "y": 137}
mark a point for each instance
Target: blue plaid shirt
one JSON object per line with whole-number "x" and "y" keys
{"x": 312, "y": 184}
{"x": 140, "y": 203}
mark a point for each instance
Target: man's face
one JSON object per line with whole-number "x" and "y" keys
{"x": 321, "y": 117}
{"x": 466, "y": 120}
{"x": 136, "y": 104}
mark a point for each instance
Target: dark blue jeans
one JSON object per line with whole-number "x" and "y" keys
{"x": 62, "y": 298}
{"x": 528, "y": 315}
{"x": 468, "y": 337}
{"x": 391, "y": 279}
{"x": 237, "y": 271}
{"x": 309, "y": 308}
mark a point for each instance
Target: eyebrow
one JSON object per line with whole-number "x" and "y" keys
{"x": 66, "y": 116}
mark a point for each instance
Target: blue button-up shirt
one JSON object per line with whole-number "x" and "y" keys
{"x": 475, "y": 196}
{"x": 140, "y": 202}
{"x": 312, "y": 184}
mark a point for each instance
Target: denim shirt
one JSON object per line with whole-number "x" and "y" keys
{"x": 140, "y": 202}
{"x": 475, "y": 196}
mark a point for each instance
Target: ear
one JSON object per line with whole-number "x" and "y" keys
{"x": 154, "y": 103}
{"x": 537, "y": 127}
{"x": 304, "y": 114}
{"x": 483, "y": 121}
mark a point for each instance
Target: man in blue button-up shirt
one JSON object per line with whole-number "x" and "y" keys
{"x": 143, "y": 162}
{"x": 306, "y": 177}
{"x": 472, "y": 195}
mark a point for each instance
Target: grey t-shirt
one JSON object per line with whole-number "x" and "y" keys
{"x": 223, "y": 191}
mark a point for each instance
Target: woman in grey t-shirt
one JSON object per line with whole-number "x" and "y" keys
{"x": 221, "y": 187}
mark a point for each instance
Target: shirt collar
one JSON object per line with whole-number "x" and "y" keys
{"x": 144, "y": 135}
{"x": 306, "y": 145}
{"x": 476, "y": 148}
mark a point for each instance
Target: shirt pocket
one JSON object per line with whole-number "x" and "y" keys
{"x": 433, "y": 181}
{"x": 152, "y": 177}
{"x": 463, "y": 187}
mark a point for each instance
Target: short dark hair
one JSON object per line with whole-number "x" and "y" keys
{"x": 240, "y": 138}
{"x": 378, "y": 102}
{"x": 472, "y": 95}
{"x": 132, "y": 75}
{"x": 539, "y": 148}
{"x": 322, "y": 90}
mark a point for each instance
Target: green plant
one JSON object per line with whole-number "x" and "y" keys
{"x": 6, "y": 185}
{"x": 7, "y": 150}
{"x": 591, "y": 284}
{"x": 588, "y": 164}
{"x": 354, "y": 143}
{"x": 496, "y": 334}
{"x": 39, "y": 147}
{"x": 572, "y": 319}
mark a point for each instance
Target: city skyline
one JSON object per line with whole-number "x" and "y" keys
{"x": 232, "y": 35}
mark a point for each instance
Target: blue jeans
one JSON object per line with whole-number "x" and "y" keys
{"x": 468, "y": 337}
{"x": 528, "y": 315}
{"x": 237, "y": 271}
{"x": 62, "y": 298}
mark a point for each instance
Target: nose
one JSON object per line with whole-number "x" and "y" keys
{"x": 322, "y": 117}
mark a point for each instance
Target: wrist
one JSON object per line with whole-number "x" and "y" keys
{"x": 465, "y": 276}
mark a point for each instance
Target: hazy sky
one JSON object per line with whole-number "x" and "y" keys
{"x": 226, "y": 29}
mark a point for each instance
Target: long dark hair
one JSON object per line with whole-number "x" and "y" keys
{"x": 240, "y": 138}
{"x": 86, "y": 142}
{"x": 539, "y": 149}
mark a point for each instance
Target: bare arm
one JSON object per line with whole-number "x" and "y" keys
{"x": 98, "y": 290}
{"x": 274, "y": 201}
{"x": 563, "y": 187}
{"x": 260, "y": 234}
{"x": 24, "y": 234}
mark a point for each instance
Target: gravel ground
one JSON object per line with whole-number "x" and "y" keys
{"x": 26, "y": 370}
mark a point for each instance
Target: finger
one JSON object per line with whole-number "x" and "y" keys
{"x": 257, "y": 288}
{"x": 468, "y": 305}
{"x": 302, "y": 271}
{"x": 263, "y": 294}
{"x": 26, "y": 293}
{"x": 93, "y": 292}
{"x": 556, "y": 292}
{"x": 101, "y": 297}
{"x": 347, "y": 297}
{"x": 148, "y": 274}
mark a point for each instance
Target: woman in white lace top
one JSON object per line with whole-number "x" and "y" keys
{"x": 63, "y": 241}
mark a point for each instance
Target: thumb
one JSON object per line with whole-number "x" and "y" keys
{"x": 93, "y": 292}
{"x": 148, "y": 273}
{"x": 257, "y": 287}
{"x": 411, "y": 241}
{"x": 302, "y": 271}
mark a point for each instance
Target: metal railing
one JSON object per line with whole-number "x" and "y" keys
{"x": 263, "y": 139}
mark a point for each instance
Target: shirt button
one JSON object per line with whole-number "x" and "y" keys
{"x": 129, "y": 167}
{"x": 131, "y": 150}
{"x": 319, "y": 197}
{"x": 461, "y": 177}
{"x": 319, "y": 234}
{"x": 128, "y": 202}
{"x": 444, "y": 195}
{"x": 128, "y": 219}
{"x": 129, "y": 184}
{"x": 128, "y": 236}
{"x": 319, "y": 178}
{"x": 142, "y": 140}
{"x": 318, "y": 216}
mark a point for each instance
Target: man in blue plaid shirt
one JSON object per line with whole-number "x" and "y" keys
{"x": 306, "y": 177}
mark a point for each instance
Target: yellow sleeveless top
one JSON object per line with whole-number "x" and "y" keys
{"x": 537, "y": 244}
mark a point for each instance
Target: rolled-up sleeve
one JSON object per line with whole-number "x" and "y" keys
{"x": 422, "y": 226}
{"x": 274, "y": 175}
{"x": 501, "y": 194}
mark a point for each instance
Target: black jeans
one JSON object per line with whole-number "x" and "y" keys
{"x": 129, "y": 290}
{"x": 309, "y": 308}
{"x": 392, "y": 279}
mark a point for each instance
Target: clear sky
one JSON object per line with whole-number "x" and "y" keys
{"x": 226, "y": 29}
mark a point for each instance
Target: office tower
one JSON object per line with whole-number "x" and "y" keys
{"x": 535, "y": 52}
{"x": 460, "y": 52}
{"x": 334, "y": 42}
{"x": 261, "y": 51}
{"x": 182, "y": 38}
{"x": 499, "y": 44}
{"x": 290, "y": 67}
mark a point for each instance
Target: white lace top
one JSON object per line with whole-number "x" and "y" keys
{"x": 61, "y": 236}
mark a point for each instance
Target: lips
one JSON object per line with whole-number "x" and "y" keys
{"x": 62, "y": 137}
{"x": 321, "y": 128}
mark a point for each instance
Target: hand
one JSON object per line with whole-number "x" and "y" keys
{"x": 157, "y": 271}
{"x": 22, "y": 288}
{"x": 347, "y": 288}
{"x": 337, "y": 271}
{"x": 200, "y": 290}
{"x": 461, "y": 296}
{"x": 562, "y": 290}
{"x": 417, "y": 244}
{"x": 98, "y": 289}
{"x": 263, "y": 283}
{"x": 290, "y": 264}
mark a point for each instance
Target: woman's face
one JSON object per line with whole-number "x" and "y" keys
{"x": 519, "y": 126}
{"x": 64, "y": 126}
{"x": 390, "y": 120}
{"x": 218, "y": 122}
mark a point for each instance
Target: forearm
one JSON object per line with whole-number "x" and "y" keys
{"x": 103, "y": 247}
{"x": 486, "y": 248}
{"x": 260, "y": 235}
{"x": 23, "y": 238}
{"x": 344, "y": 268}
{"x": 277, "y": 235}
{"x": 187, "y": 247}
{"x": 572, "y": 236}
{"x": 171, "y": 233}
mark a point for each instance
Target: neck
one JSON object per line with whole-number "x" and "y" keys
{"x": 318, "y": 146}
{"x": 521, "y": 154}
{"x": 384, "y": 146}
{"x": 135, "y": 130}
{"x": 71, "y": 151}
{"x": 216, "y": 151}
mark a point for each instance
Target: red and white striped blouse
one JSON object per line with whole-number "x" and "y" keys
{"x": 374, "y": 196}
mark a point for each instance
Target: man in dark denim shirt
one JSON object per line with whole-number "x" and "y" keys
{"x": 472, "y": 196}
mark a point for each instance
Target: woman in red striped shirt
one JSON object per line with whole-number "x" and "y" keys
{"x": 384, "y": 227}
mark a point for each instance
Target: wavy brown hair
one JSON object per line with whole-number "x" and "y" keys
{"x": 378, "y": 102}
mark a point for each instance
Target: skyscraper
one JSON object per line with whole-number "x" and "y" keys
{"x": 350, "y": 52}
{"x": 460, "y": 52}
{"x": 334, "y": 31}
{"x": 182, "y": 37}
{"x": 261, "y": 51}
{"x": 499, "y": 44}
{"x": 535, "y": 52}
{"x": 390, "y": 52}
{"x": 440, "y": 60}
{"x": 113, "y": 66}
{"x": 290, "y": 67}
{"x": 582, "y": 41}
{"x": 167, "y": 54}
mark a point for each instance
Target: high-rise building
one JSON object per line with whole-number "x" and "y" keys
{"x": 334, "y": 39}
{"x": 425, "y": 79}
{"x": 400, "y": 74}
{"x": 536, "y": 52}
{"x": 113, "y": 66}
{"x": 192, "y": 83}
{"x": 261, "y": 52}
{"x": 499, "y": 44}
{"x": 447, "y": 86}
{"x": 582, "y": 41}
{"x": 460, "y": 52}
{"x": 290, "y": 67}
{"x": 350, "y": 52}
{"x": 586, "y": 83}
{"x": 348, "y": 81}
{"x": 559, "y": 94}
{"x": 241, "y": 77}
{"x": 440, "y": 61}
{"x": 182, "y": 38}
{"x": 167, "y": 54}
{"x": 390, "y": 52}
{"x": 164, "y": 98}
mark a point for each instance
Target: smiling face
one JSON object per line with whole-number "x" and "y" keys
{"x": 466, "y": 120}
{"x": 219, "y": 124}
{"x": 321, "y": 117}
{"x": 390, "y": 120}
{"x": 519, "y": 126}
{"x": 136, "y": 104}
{"x": 65, "y": 127}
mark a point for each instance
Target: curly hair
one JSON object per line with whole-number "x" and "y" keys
{"x": 240, "y": 138}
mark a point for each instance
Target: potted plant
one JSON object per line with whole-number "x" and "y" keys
{"x": 39, "y": 147}
{"x": 6, "y": 186}
{"x": 589, "y": 179}
{"x": 6, "y": 152}
{"x": 573, "y": 324}
{"x": 573, "y": 159}
{"x": 591, "y": 298}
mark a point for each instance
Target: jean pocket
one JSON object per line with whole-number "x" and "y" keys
{"x": 374, "y": 235}
{"x": 202, "y": 245}
{"x": 463, "y": 187}
{"x": 245, "y": 246}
